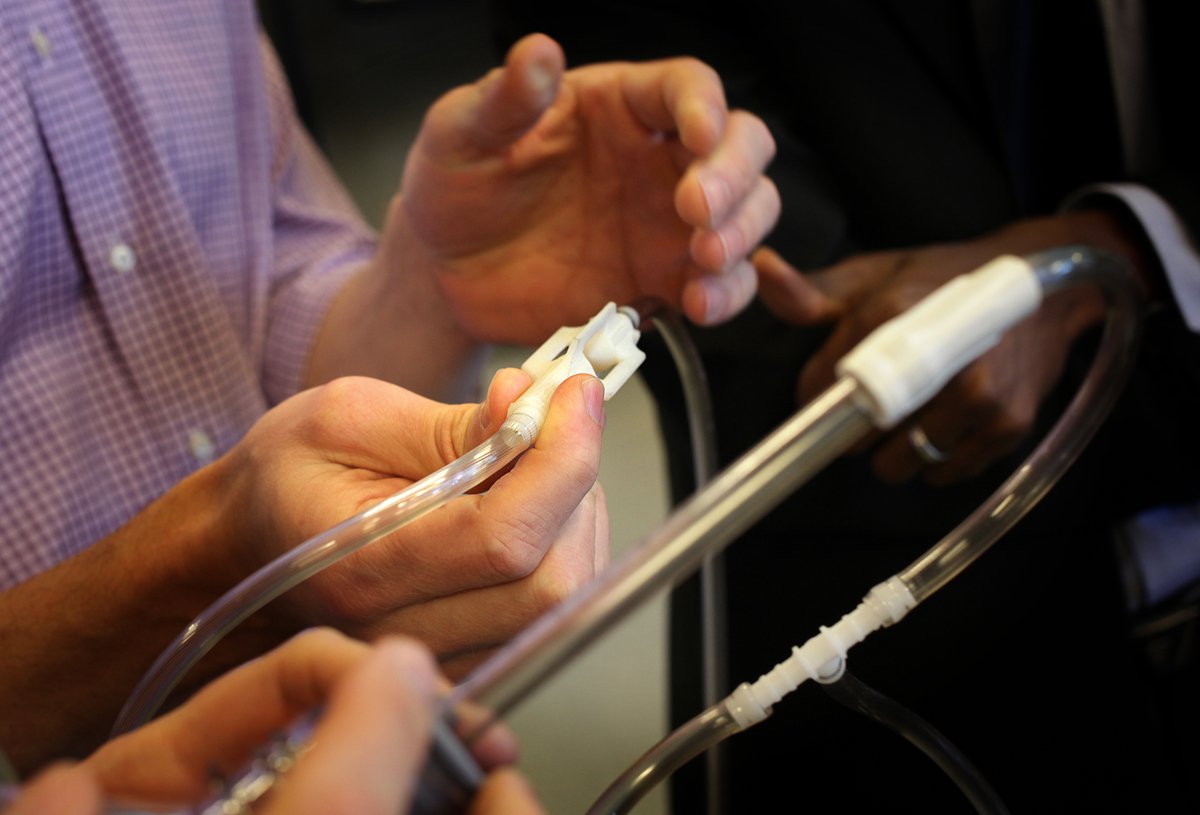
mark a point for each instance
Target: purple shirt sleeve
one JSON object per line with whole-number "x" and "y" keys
{"x": 320, "y": 241}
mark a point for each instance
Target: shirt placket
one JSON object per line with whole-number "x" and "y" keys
{"x": 138, "y": 248}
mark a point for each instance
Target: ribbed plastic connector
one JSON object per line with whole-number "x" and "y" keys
{"x": 822, "y": 657}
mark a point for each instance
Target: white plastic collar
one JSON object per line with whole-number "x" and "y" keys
{"x": 605, "y": 347}
{"x": 907, "y": 360}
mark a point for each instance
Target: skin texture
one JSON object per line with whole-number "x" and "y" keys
{"x": 530, "y": 199}
{"x": 536, "y": 195}
{"x": 380, "y": 703}
{"x": 463, "y": 579}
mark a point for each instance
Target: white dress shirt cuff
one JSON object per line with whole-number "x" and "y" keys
{"x": 1176, "y": 248}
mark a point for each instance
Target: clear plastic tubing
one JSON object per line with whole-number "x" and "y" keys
{"x": 1091, "y": 404}
{"x": 713, "y": 517}
{"x": 1055, "y": 269}
{"x": 702, "y": 434}
{"x": 293, "y": 567}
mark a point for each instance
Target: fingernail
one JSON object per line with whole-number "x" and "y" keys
{"x": 725, "y": 253}
{"x": 484, "y": 412}
{"x": 716, "y": 196}
{"x": 593, "y": 398}
{"x": 543, "y": 79}
{"x": 413, "y": 666}
{"x": 715, "y": 301}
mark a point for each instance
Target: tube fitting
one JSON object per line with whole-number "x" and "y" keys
{"x": 823, "y": 656}
{"x": 606, "y": 347}
{"x": 904, "y": 362}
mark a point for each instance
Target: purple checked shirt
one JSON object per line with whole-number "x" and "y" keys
{"x": 169, "y": 240}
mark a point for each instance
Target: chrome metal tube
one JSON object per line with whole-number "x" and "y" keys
{"x": 705, "y": 523}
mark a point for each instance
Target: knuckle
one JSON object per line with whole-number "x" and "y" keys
{"x": 898, "y": 298}
{"x": 699, "y": 67}
{"x": 579, "y": 467}
{"x": 514, "y": 550}
{"x": 334, "y": 407}
{"x": 976, "y": 388}
{"x": 557, "y": 584}
{"x": 448, "y": 433}
{"x": 346, "y": 595}
{"x": 1012, "y": 425}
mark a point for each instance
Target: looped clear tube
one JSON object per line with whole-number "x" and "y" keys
{"x": 293, "y": 567}
{"x": 1055, "y": 269}
{"x": 765, "y": 475}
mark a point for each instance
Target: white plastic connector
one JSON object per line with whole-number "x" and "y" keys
{"x": 822, "y": 658}
{"x": 907, "y": 360}
{"x": 605, "y": 347}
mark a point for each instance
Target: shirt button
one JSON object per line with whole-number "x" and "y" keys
{"x": 121, "y": 258}
{"x": 41, "y": 43}
{"x": 201, "y": 446}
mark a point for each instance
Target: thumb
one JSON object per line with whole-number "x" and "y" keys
{"x": 63, "y": 789}
{"x": 791, "y": 295}
{"x": 494, "y": 112}
{"x": 372, "y": 740}
{"x": 550, "y": 480}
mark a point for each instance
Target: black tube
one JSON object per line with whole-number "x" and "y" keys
{"x": 860, "y": 697}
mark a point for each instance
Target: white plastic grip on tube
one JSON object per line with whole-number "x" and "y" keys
{"x": 907, "y": 360}
{"x": 605, "y": 347}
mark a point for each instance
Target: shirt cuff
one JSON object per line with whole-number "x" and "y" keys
{"x": 1177, "y": 251}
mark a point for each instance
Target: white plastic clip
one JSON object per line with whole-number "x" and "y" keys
{"x": 606, "y": 347}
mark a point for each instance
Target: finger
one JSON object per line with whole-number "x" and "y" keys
{"x": 486, "y": 618}
{"x": 1000, "y": 419}
{"x": 821, "y": 369}
{"x": 374, "y": 425}
{"x": 602, "y": 534}
{"x": 527, "y": 508}
{"x": 493, "y": 744}
{"x": 60, "y": 789}
{"x": 501, "y": 535}
{"x": 172, "y": 757}
{"x": 435, "y": 435}
{"x": 865, "y": 299}
{"x": 506, "y": 385}
{"x": 739, "y": 231}
{"x": 790, "y": 295}
{"x": 372, "y": 740}
{"x": 712, "y": 299}
{"x": 897, "y": 461}
{"x": 973, "y": 455}
{"x": 962, "y": 421}
{"x": 488, "y": 116}
{"x": 715, "y": 188}
{"x": 681, "y": 96}
{"x": 505, "y": 792}
{"x": 429, "y": 435}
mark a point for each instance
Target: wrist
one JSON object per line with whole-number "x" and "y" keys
{"x": 78, "y": 636}
{"x": 392, "y": 321}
